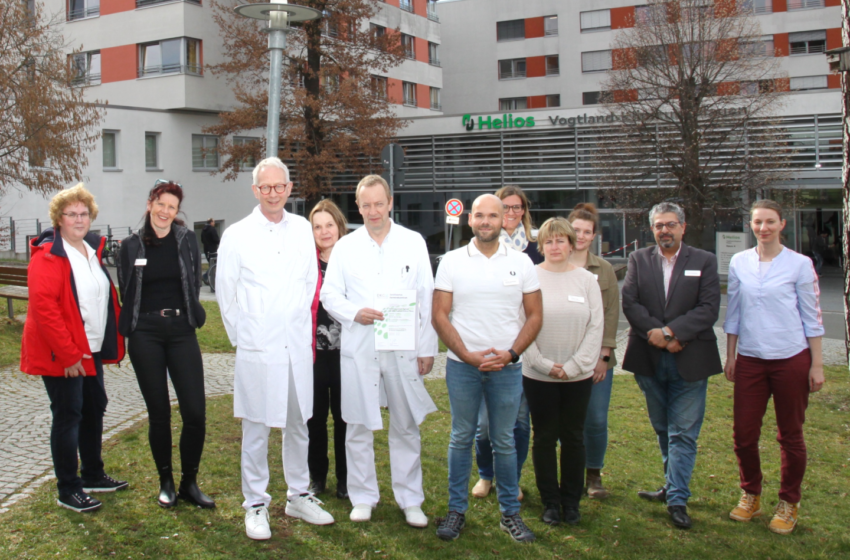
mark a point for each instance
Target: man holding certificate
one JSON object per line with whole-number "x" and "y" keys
{"x": 379, "y": 286}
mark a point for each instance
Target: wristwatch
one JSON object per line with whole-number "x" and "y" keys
{"x": 668, "y": 336}
{"x": 514, "y": 356}
{"x": 606, "y": 358}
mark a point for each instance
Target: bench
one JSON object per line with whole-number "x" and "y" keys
{"x": 15, "y": 280}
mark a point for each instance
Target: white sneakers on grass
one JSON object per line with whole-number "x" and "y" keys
{"x": 415, "y": 517}
{"x": 257, "y": 523}
{"x": 361, "y": 513}
{"x": 307, "y": 507}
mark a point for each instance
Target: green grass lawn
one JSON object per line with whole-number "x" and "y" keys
{"x": 131, "y": 525}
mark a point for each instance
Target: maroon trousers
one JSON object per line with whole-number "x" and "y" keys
{"x": 788, "y": 381}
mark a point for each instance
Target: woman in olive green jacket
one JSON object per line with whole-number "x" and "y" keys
{"x": 585, "y": 221}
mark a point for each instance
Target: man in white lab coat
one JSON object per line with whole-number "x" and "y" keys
{"x": 265, "y": 285}
{"x": 381, "y": 257}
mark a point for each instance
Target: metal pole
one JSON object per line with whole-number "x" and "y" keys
{"x": 12, "y": 233}
{"x": 392, "y": 172}
{"x": 277, "y": 44}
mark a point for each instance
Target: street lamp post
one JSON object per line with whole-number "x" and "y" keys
{"x": 279, "y": 14}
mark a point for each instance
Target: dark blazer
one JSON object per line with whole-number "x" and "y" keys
{"x": 690, "y": 310}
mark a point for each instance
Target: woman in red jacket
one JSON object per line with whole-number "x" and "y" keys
{"x": 71, "y": 330}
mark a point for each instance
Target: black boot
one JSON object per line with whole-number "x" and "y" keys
{"x": 167, "y": 495}
{"x": 341, "y": 490}
{"x": 190, "y": 492}
{"x": 317, "y": 486}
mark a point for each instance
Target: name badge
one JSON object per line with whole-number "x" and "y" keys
{"x": 693, "y": 273}
{"x": 576, "y": 299}
{"x": 141, "y": 262}
{"x": 512, "y": 282}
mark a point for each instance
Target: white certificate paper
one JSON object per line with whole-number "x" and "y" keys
{"x": 398, "y": 329}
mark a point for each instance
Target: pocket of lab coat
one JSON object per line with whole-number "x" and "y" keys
{"x": 251, "y": 332}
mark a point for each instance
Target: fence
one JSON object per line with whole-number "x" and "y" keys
{"x": 15, "y": 235}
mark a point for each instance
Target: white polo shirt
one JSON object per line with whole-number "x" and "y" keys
{"x": 486, "y": 294}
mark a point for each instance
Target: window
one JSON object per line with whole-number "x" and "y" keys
{"x": 762, "y": 47}
{"x": 435, "y": 99}
{"x": 590, "y": 97}
{"x": 431, "y": 10}
{"x": 86, "y": 68}
{"x": 409, "y": 44}
{"x": 757, "y": 87}
{"x": 331, "y": 83}
{"x": 409, "y": 90}
{"x": 330, "y": 27}
{"x": 644, "y": 94}
{"x": 406, "y": 5}
{"x": 552, "y": 68}
{"x": 204, "y": 152}
{"x": 377, "y": 30}
{"x": 550, "y": 25}
{"x": 247, "y": 162}
{"x": 433, "y": 54}
{"x": 152, "y": 151}
{"x": 596, "y": 20}
{"x": 553, "y": 100}
{"x": 648, "y": 15}
{"x": 511, "y": 69}
{"x": 510, "y": 30}
{"x": 808, "y": 82}
{"x": 173, "y": 56}
{"x": 595, "y": 61}
{"x": 110, "y": 152}
{"x": 804, "y": 4}
{"x": 379, "y": 86}
{"x": 756, "y": 6}
{"x": 79, "y": 9}
{"x": 513, "y": 103}
{"x": 807, "y": 42}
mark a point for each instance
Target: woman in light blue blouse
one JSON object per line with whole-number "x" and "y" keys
{"x": 773, "y": 321}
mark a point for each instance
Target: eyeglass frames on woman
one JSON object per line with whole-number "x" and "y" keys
{"x": 516, "y": 208}
{"x": 74, "y": 216}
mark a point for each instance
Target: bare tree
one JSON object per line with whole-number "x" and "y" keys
{"x": 47, "y": 127}
{"x": 335, "y": 111}
{"x": 692, "y": 90}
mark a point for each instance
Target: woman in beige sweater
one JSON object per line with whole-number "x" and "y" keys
{"x": 558, "y": 371}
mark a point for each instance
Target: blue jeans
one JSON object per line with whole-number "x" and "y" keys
{"x": 676, "y": 409}
{"x": 596, "y": 422}
{"x": 484, "y": 450}
{"x": 502, "y": 391}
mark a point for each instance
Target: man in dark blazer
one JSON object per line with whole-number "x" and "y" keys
{"x": 671, "y": 298}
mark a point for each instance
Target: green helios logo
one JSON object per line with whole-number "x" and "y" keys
{"x": 495, "y": 123}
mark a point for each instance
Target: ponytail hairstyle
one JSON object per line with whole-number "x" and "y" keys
{"x": 160, "y": 188}
{"x": 585, "y": 211}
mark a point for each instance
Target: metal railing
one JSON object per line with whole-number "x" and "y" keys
{"x": 433, "y": 61}
{"x": 406, "y": 5}
{"x": 16, "y": 234}
{"x": 144, "y": 3}
{"x": 86, "y": 80}
{"x": 83, "y": 13}
{"x": 192, "y": 69}
{"x": 432, "y": 11}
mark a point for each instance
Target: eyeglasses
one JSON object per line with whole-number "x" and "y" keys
{"x": 669, "y": 225}
{"x": 266, "y": 189}
{"x": 160, "y": 181}
{"x": 517, "y": 208}
{"x": 74, "y": 216}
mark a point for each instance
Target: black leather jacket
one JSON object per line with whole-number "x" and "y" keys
{"x": 130, "y": 278}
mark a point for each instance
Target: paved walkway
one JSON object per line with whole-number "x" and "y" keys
{"x": 25, "y": 462}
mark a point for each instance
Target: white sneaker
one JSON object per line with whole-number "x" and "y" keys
{"x": 361, "y": 513}
{"x": 308, "y": 508}
{"x": 415, "y": 516}
{"x": 257, "y": 523}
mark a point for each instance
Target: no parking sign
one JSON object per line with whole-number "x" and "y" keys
{"x": 454, "y": 208}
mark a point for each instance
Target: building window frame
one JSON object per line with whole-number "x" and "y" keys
{"x": 595, "y": 20}
{"x": 186, "y": 59}
{"x": 408, "y": 43}
{"x": 109, "y": 143}
{"x": 553, "y": 100}
{"x": 807, "y": 42}
{"x": 757, "y": 7}
{"x": 205, "y": 156}
{"x": 809, "y": 83}
{"x": 250, "y": 162}
{"x": 409, "y": 94}
{"x": 436, "y": 102}
{"x": 406, "y": 5}
{"x": 433, "y": 54}
{"x": 596, "y": 61}
{"x": 513, "y": 103}
{"x": 510, "y": 30}
{"x": 152, "y": 151}
{"x": 512, "y": 69}
{"x": 553, "y": 67}
{"x": 82, "y": 9}
{"x": 379, "y": 85}
{"x": 591, "y": 97}
{"x": 550, "y": 26}
{"x": 431, "y": 10}
{"x": 87, "y": 68}
{"x": 795, "y": 5}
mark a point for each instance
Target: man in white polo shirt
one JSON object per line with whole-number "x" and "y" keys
{"x": 485, "y": 286}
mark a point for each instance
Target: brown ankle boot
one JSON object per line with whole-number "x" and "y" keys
{"x": 594, "y": 485}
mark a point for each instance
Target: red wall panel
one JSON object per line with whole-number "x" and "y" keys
{"x": 780, "y": 6}
{"x": 622, "y": 17}
{"x": 829, "y": 3}
{"x": 535, "y": 66}
{"x": 114, "y": 6}
{"x": 421, "y": 48}
{"x": 780, "y": 44}
{"x": 833, "y": 38}
{"x": 419, "y": 8}
{"x": 534, "y": 27}
{"x": 118, "y": 63}
{"x": 833, "y": 81}
{"x": 536, "y": 102}
{"x": 392, "y": 3}
{"x": 395, "y": 93}
{"x": 423, "y": 96}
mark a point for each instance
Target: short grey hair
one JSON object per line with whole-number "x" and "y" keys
{"x": 269, "y": 162}
{"x": 665, "y": 208}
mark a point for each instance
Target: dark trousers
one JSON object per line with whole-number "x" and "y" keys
{"x": 326, "y": 395}
{"x": 78, "y": 405}
{"x": 558, "y": 411}
{"x": 161, "y": 347}
{"x": 788, "y": 381}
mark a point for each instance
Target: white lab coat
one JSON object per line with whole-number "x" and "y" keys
{"x": 265, "y": 284}
{"x": 357, "y": 271}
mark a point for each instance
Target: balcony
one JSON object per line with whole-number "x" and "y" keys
{"x": 86, "y": 80}
{"x": 191, "y": 69}
{"x": 83, "y": 12}
{"x": 432, "y": 11}
{"x": 436, "y": 106}
{"x": 406, "y": 5}
{"x": 146, "y": 3}
{"x": 434, "y": 61}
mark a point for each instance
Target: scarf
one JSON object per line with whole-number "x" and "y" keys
{"x": 516, "y": 241}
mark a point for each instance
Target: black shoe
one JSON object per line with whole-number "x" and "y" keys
{"x": 167, "y": 495}
{"x": 516, "y": 528}
{"x": 679, "y": 516}
{"x": 342, "y": 490}
{"x": 104, "y": 484}
{"x": 572, "y": 515}
{"x": 658, "y": 496}
{"x": 317, "y": 487}
{"x": 552, "y": 515}
{"x": 79, "y": 502}
{"x": 451, "y": 526}
{"x": 190, "y": 492}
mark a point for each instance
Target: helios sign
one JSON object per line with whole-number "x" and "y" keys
{"x": 491, "y": 123}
